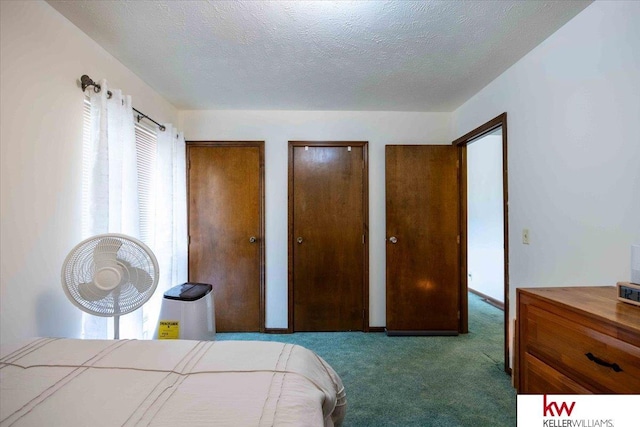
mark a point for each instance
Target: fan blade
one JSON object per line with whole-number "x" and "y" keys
{"x": 104, "y": 254}
{"x": 90, "y": 292}
{"x": 140, "y": 279}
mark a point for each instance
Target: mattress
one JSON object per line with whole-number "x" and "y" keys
{"x": 68, "y": 382}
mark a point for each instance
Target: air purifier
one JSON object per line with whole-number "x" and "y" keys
{"x": 187, "y": 313}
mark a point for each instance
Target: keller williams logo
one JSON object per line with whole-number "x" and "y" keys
{"x": 548, "y": 408}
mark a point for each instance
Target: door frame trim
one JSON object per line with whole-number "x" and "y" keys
{"x": 462, "y": 143}
{"x": 365, "y": 216}
{"x": 261, "y": 203}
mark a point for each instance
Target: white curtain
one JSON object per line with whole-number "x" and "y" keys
{"x": 113, "y": 203}
{"x": 112, "y": 187}
{"x": 169, "y": 240}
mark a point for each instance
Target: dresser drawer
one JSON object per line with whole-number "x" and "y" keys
{"x": 601, "y": 362}
{"x": 540, "y": 378}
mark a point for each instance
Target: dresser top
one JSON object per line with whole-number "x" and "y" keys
{"x": 595, "y": 301}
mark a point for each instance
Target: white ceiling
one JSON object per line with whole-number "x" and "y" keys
{"x": 318, "y": 55}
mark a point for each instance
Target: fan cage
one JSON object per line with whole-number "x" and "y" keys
{"x": 79, "y": 268}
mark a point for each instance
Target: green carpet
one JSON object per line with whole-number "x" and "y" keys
{"x": 418, "y": 381}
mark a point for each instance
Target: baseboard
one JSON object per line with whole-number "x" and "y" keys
{"x": 276, "y": 331}
{"x": 489, "y": 300}
{"x": 286, "y": 331}
{"x": 421, "y": 333}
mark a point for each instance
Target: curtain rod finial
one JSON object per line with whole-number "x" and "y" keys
{"x": 85, "y": 82}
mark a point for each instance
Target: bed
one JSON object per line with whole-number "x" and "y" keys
{"x": 69, "y": 382}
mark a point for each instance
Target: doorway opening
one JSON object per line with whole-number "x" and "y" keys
{"x": 484, "y": 219}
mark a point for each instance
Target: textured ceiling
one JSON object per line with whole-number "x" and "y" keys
{"x": 318, "y": 55}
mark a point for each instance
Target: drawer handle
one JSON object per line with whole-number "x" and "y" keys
{"x": 601, "y": 362}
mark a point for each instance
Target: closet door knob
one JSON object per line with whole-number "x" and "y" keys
{"x": 393, "y": 239}
{"x": 299, "y": 240}
{"x": 252, "y": 239}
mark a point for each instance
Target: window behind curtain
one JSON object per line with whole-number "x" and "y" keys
{"x": 86, "y": 152}
{"x": 146, "y": 144}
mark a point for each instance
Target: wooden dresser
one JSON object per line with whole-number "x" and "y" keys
{"x": 576, "y": 340}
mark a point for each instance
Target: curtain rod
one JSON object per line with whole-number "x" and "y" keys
{"x": 85, "y": 82}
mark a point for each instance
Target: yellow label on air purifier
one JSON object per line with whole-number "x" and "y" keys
{"x": 168, "y": 330}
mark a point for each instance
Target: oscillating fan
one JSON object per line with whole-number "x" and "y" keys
{"x": 110, "y": 275}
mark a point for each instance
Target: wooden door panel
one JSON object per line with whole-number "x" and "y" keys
{"x": 328, "y": 264}
{"x": 224, "y": 213}
{"x": 422, "y": 213}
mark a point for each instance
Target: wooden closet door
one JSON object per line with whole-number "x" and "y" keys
{"x": 226, "y": 231}
{"x": 422, "y": 214}
{"x": 327, "y": 238}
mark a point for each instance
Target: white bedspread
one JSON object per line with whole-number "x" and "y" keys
{"x": 66, "y": 382}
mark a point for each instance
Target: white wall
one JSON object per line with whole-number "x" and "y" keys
{"x": 573, "y": 106}
{"x": 42, "y": 57}
{"x": 485, "y": 220}
{"x": 276, "y": 128}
